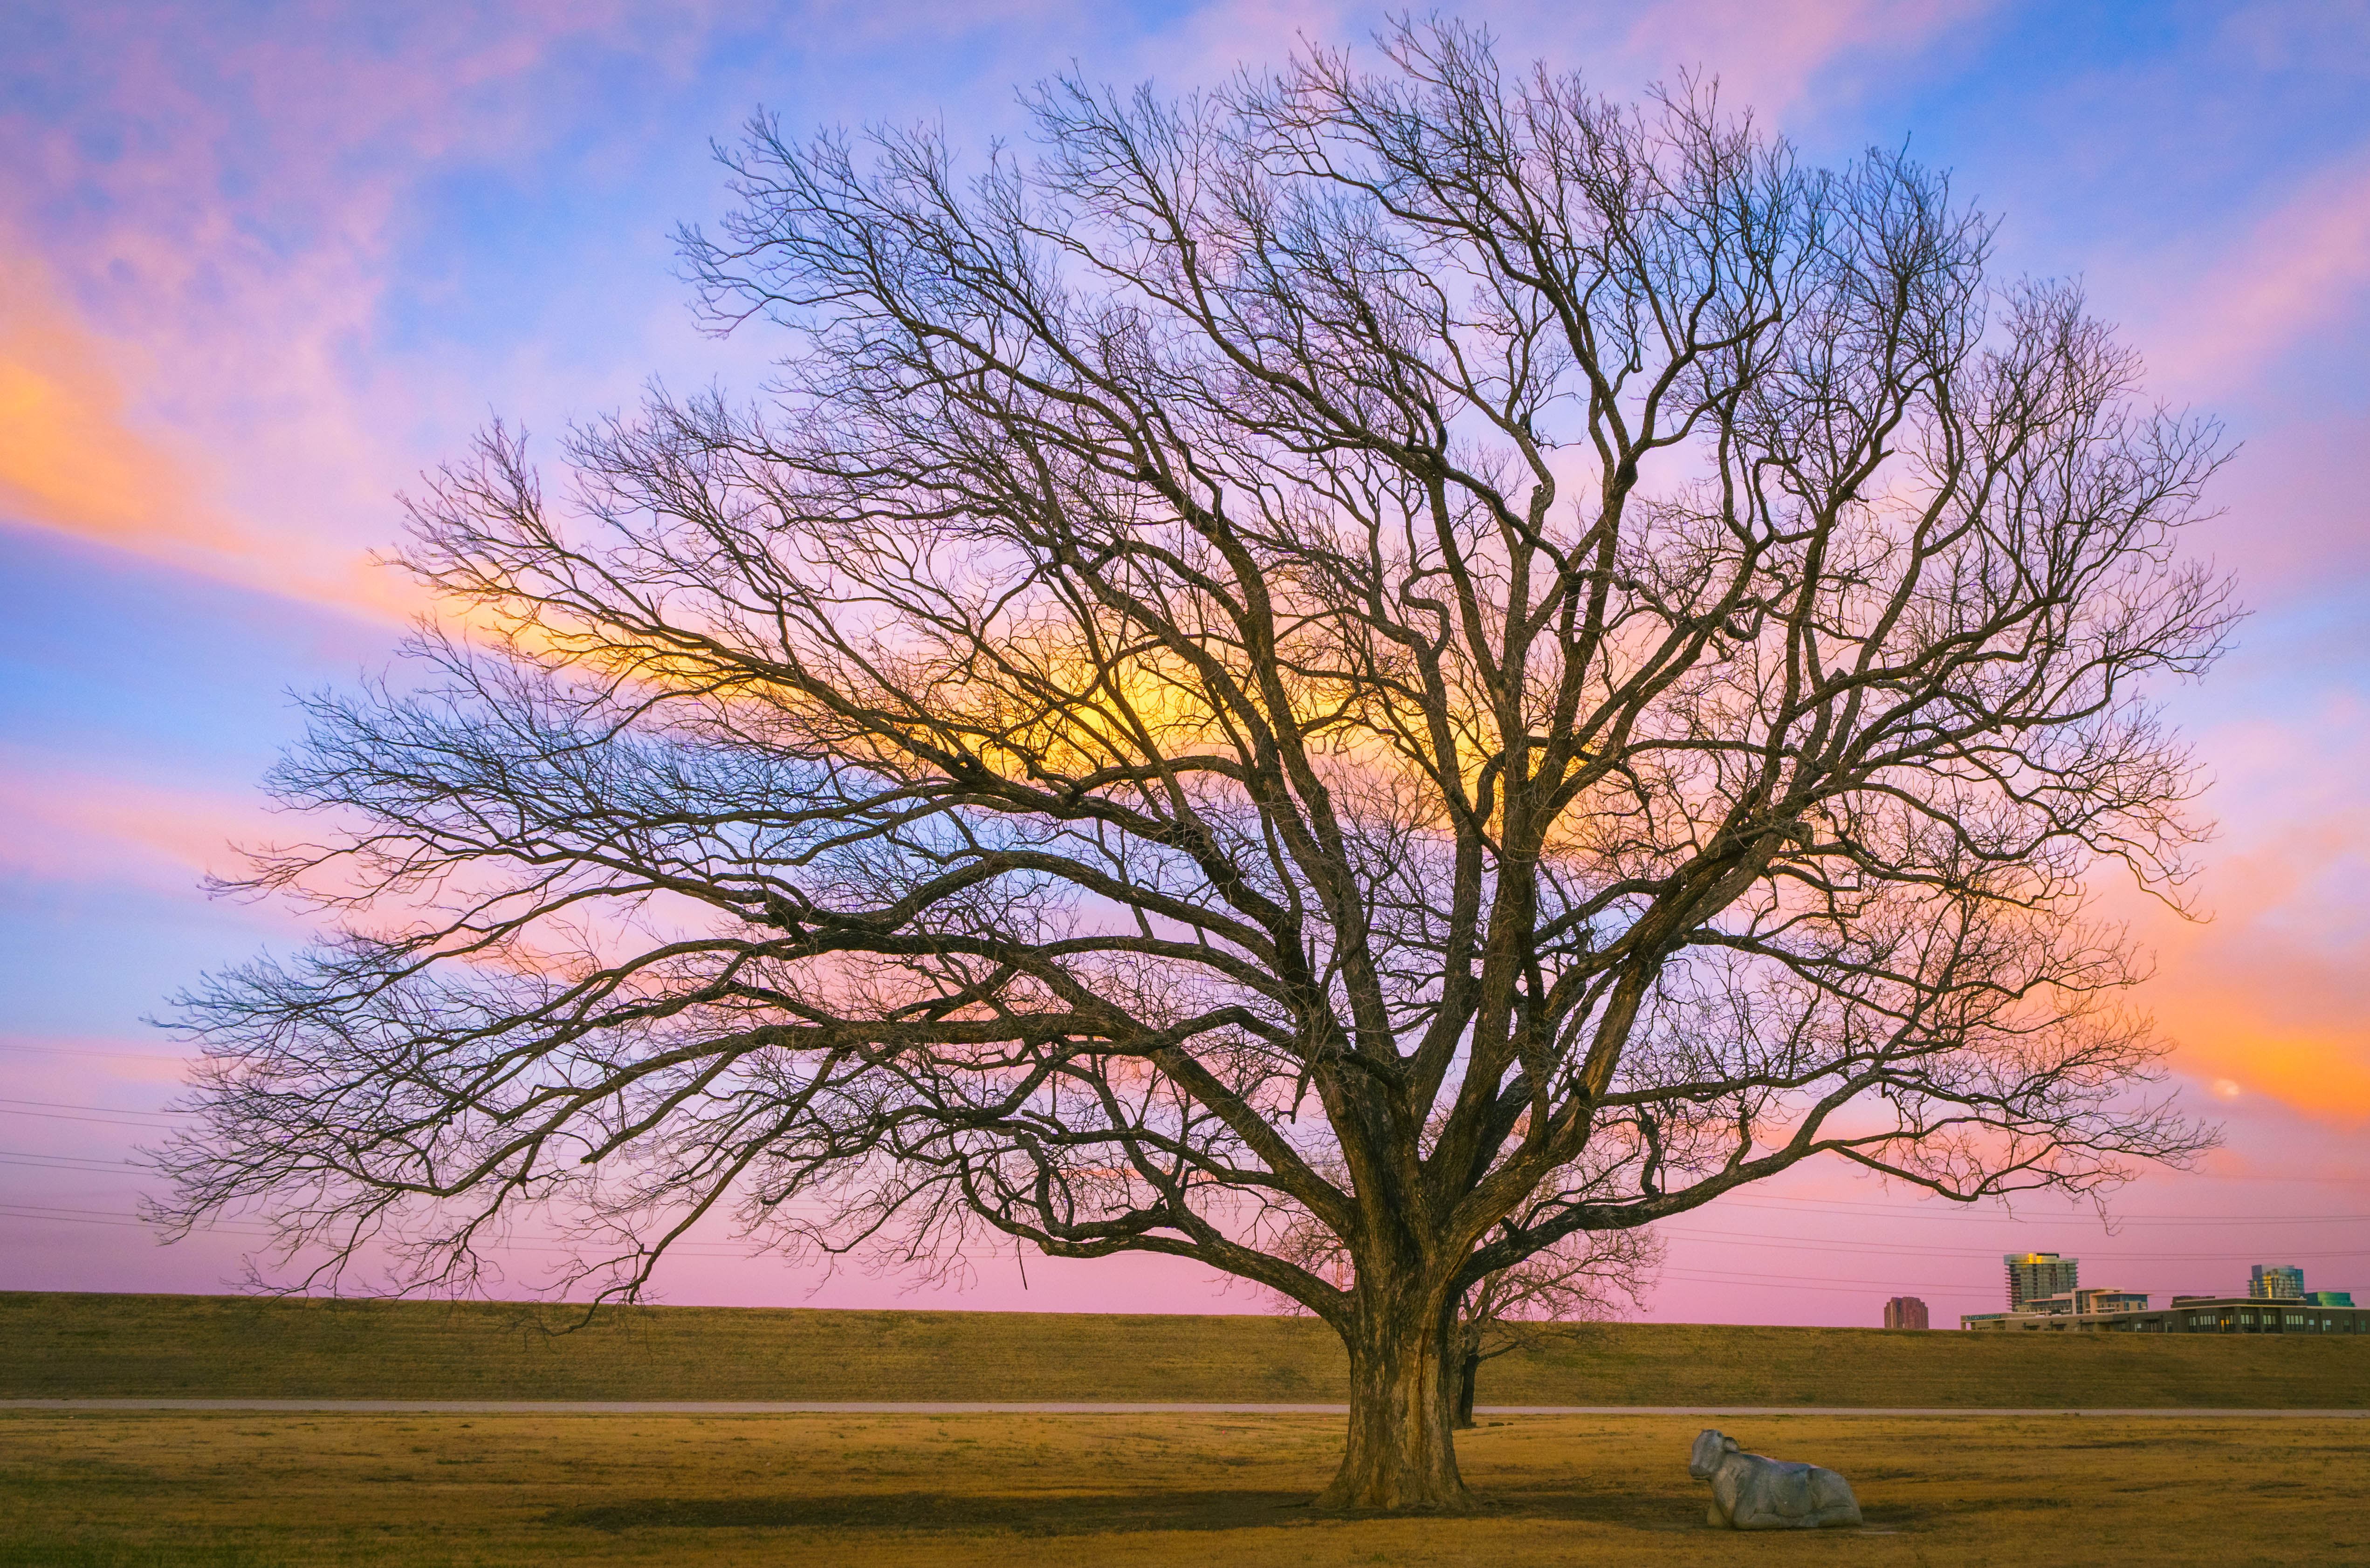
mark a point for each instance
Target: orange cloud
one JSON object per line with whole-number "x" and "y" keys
{"x": 76, "y": 458}
{"x": 2272, "y": 994}
{"x": 68, "y": 457}
{"x": 2280, "y": 1031}
{"x": 179, "y": 317}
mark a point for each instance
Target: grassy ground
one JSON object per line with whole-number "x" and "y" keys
{"x": 54, "y": 1344}
{"x": 246, "y": 1492}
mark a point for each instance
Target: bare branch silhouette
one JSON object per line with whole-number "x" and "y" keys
{"x": 1417, "y": 653}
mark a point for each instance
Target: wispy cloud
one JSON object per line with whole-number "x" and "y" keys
{"x": 195, "y": 260}
{"x": 1774, "y": 54}
{"x": 69, "y": 458}
{"x": 2270, "y": 996}
{"x": 73, "y": 827}
{"x": 1769, "y": 55}
{"x": 194, "y": 354}
{"x": 2300, "y": 269}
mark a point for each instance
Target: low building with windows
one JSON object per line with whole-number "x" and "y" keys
{"x": 2087, "y": 1303}
{"x": 2186, "y": 1314}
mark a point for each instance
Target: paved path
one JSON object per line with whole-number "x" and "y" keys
{"x": 817, "y": 1407}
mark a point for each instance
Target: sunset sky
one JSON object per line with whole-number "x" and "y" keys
{"x": 262, "y": 264}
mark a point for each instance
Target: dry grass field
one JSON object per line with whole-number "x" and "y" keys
{"x": 115, "y": 1490}
{"x": 53, "y": 1345}
{"x": 112, "y": 1491}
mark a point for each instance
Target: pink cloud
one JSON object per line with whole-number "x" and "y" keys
{"x": 2297, "y": 520}
{"x": 73, "y": 827}
{"x": 1771, "y": 55}
{"x": 82, "y": 1069}
{"x": 2300, "y": 268}
{"x": 188, "y": 315}
{"x": 2275, "y": 35}
{"x": 201, "y": 346}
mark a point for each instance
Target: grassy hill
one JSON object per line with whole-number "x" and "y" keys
{"x": 57, "y": 1344}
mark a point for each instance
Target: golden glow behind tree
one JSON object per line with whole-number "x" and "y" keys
{"x": 1421, "y": 654}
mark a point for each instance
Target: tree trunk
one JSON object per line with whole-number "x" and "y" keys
{"x": 1468, "y": 1373}
{"x": 1403, "y": 1382}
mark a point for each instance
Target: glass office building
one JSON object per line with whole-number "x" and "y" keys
{"x": 2031, "y": 1275}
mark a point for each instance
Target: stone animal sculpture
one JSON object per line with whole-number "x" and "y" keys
{"x": 1750, "y": 1493}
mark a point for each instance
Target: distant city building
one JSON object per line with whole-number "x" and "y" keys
{"x": 1905, "y": 1313}
{"x": 2188, "y": 1314}
{"x": 2275, "y": 1282}
{"x": 2034, "y": 1274}
{"x": 2329, "y": 1298}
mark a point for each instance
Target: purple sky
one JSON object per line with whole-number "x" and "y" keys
{"x": 260, "y": 264}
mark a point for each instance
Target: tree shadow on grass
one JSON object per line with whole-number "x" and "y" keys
{"x": 1049, "y": 1514}
{"x": 1066, "y": 1514}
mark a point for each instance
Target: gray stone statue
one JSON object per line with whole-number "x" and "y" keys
{"x": 1749, "y": 1493}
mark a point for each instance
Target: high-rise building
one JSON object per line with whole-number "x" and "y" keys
{"x": 2034, "y": 1274}
{"x": 2275, "y": 1282}
{"x": 1904, "y": 1312}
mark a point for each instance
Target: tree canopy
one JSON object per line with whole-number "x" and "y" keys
{"x": 1415, "y": 651}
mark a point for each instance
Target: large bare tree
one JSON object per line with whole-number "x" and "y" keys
{"x": 1533, "y": 653}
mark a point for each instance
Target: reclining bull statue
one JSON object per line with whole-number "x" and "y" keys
{"x": 1749, "y": 1493}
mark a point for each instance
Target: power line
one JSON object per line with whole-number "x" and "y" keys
{"x": 1779, "y": 1282}
{"x": 82, "y": 1159}
{"x": 1830, "y": 1281}
{"x": 119, "y": 1110}
{"x": 1927, "y": 1211}
{"x": 715, "y": 1250}
{"x": 41, "y": 1209}
{"x": 92, "y": 1121}
{"x": 96, "y": 1216}
{"x": 1829, "y": 1244}
{"x": 77, "y": 1051}
{"x": 91, "y": 1168}
{"x": 1829, "y": 1285}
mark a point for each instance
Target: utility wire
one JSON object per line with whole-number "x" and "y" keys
{"x": 80, "y": 1159}
{"x": 1924, "y": 1211}
{"x": 115, "y": 1216}
{"x": 90, "y": 1121}
{"x": 70, "y": 1106}
{"x": 1830, "y": 1245}
{"x": 80, "y": 1053}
